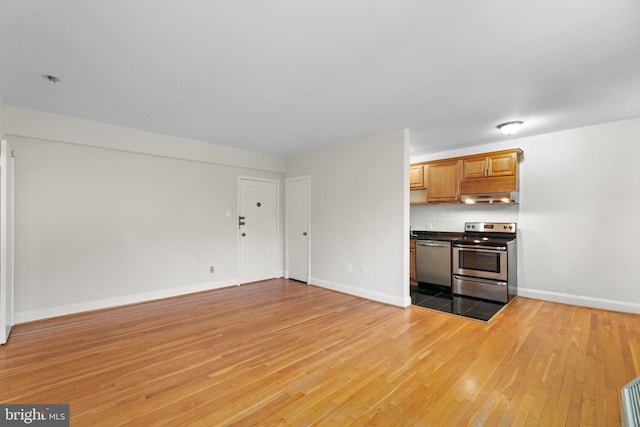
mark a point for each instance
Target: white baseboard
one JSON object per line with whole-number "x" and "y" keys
{"x": 605, "y": 304}
{"x": 29, "y": 316}
{"x": 362, "y": 293}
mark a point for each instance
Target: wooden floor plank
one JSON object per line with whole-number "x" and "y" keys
{"x": 283, "y": 353}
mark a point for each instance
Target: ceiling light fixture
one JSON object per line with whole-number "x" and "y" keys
{"x": 53, "y": 79}
{"x": 509, "y": 128}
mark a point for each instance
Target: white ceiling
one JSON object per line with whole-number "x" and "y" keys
{"x": 288, "y": 76}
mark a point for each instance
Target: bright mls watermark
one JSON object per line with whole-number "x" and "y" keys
{"x": 34, "y": 415}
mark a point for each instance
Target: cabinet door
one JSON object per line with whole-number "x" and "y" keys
{"x": 443, "y": 182}
{"x": 416, "y": 177}
{"x": 412, "y": 263}
{"x": 502, "y": 165}
{"x": 474, "y": 167}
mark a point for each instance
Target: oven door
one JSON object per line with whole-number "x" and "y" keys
{"x": 494, "y": 290}
{"x": 481, "y": 262}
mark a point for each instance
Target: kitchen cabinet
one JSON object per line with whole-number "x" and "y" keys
{"x": 495, "y": 172}
{"x": 412, "y": 263}
{"x": 492, "y": 164}
{"x": 443, "y": 181}
{"x": 416, "y": 177}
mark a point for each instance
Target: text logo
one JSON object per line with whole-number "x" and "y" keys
{"x": 34, "y": 415}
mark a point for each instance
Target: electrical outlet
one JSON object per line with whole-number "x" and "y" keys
{"x": 191, "y": 263}
{"x": 427, "y": 226}
{"x": 211, "y": 269}
{"x": 364, "y": 269}
{"x": 349, "y": 268}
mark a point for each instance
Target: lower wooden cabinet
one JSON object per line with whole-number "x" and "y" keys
{"x": 412, "y": 263}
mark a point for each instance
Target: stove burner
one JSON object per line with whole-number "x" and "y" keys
{"x": 488, "y": 233}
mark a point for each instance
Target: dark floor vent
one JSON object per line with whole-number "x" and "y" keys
{"x": 631, "y": 404}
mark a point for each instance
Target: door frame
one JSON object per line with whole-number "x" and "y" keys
{"x": 7, "y": 240}
{"x": 278, "y": 244}
{"x": 306, "y": 178}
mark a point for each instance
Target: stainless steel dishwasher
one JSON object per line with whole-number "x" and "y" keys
{"x": 433, "y": 262}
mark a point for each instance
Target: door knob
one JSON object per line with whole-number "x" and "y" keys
{"x": 243, "y": 234}
{"x": 304, "y": 234}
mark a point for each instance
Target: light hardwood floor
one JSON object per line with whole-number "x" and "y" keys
{"x": 283, "y": 353}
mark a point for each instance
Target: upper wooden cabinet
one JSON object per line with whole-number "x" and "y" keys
{"x": 492, "y": 164}
{"x": 416, "y": 177}
{"x": 443, "y": 181}
{"x": 495, "y": 172}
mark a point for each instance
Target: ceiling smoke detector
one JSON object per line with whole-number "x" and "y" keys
{"x": 509, "y": 128}
{"x": 53, "y": 79}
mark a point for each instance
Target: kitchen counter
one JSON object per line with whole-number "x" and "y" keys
{"x": 447, "y": 236}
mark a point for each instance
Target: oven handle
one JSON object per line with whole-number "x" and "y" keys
{"x": 433, "y": 244}
{"x": 480, "y": 248}
{"x": 479, "y": 280}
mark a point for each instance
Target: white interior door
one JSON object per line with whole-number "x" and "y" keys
{"x": 6, "y": 240}
{"x": 258, "y": 230}
{"x": 298, "y": 228}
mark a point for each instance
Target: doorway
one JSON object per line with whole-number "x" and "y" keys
{"x": 258, "y": 219}
{"x": 297, "y": 229}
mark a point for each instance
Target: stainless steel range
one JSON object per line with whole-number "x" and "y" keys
{"x": 484, "y": 261}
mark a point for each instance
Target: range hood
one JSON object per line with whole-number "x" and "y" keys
{"x": 492, "y": 198}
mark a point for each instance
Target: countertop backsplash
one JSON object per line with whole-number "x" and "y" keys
{"x": 451, "y": 218}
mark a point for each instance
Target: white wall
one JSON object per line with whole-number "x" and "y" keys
{"x": 99, "y": 227}
{"x": 55, "y": 127}
{"x": 2, "y": 113}
{"x": 359, "y": 216}
{"x": 578, "y": 206}
{"x": 446, "y": 217}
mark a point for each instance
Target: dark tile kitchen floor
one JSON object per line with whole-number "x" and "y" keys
{"x": 440, "y": 298}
